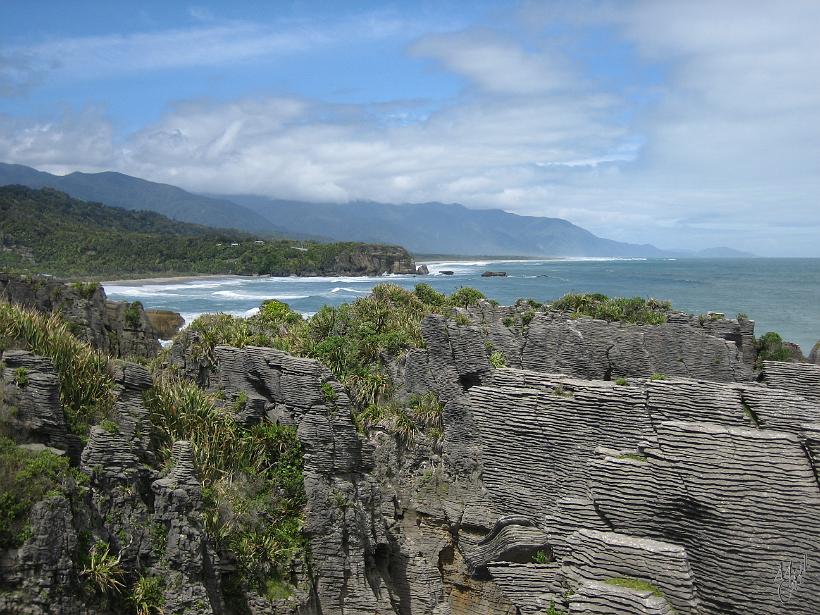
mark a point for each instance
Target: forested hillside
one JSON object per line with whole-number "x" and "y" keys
{"x": 46, "y": 231}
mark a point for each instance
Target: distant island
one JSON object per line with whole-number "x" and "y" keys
{"x": 47, "y": 231}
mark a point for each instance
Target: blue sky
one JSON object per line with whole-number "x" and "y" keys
{"x": 684, "y": 124}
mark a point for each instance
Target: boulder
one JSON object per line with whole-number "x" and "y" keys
{"x": 165, "y": 322}
{"x": 814, "y": 355}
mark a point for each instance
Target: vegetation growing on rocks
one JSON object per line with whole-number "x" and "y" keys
{"x": 86, "y": 388}
{"x": 353, "y": 340}
{"x": 103, "y": 570}
{"x": 635, "y": 310}
{"x": 132, "y": 314}
{"x": 147, "y": 597}
{"x": 771, "y": 347}
{"x": 26, "y": 477}
{"x": 251, "y": 476}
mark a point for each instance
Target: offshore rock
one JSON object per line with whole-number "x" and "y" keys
{"x": 165, "y": 322}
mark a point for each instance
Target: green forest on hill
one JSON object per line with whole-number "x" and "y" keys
{"x": 46, "y": 231}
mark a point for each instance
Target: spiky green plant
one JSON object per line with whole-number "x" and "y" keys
{"x": 103, "y": 570}
{"x": 86, "y": 386}
{"x": 635, "y": 310}
{"x": 252, "y": 480}
{"x": 147, "y": 596}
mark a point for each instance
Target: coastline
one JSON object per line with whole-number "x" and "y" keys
{"x": 176, "y": 278}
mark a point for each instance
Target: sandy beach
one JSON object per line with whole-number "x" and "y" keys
{"x": 172, "y": 279}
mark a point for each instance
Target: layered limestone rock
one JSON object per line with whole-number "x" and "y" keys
{"x": 630, "y": 482}
{"x": 717, "y": 350}
{"x": 120, "y": 329}
{"x": 348, "y": 537}
{"x": 624, "y": 479}
{"x": 566, "y": 482}
{"x": 30, "y": 408}
{"x": 151, "y": 525}
{"x": 814, "y": 355}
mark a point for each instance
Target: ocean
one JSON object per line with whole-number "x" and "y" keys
{"x": 779, "y": 294}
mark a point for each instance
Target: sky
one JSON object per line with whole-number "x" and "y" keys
{"x": 686, "y": 124}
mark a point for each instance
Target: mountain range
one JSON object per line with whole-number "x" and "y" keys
{"x": 424, "y": 228}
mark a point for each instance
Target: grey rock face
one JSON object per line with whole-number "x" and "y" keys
{"x": 651, "y": 468}
{"x": 801, "y": 378}
{"x": 814, "y": 355}
{"x": 717, "y": 350}
{"x": 32, "y": 413}
{"x": 596, "y": 598}
{"x": 42, "y": 576}
{"x": 697, "y": 494}
{"x": 117, "y": 328}
{"x": 347, "y": 533}
{"x": 599, "y": 556}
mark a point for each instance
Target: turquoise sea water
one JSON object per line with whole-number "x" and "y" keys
{"x": 781, "y": 295}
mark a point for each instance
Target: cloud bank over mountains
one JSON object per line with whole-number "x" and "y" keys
{"x": 684, "y": 124}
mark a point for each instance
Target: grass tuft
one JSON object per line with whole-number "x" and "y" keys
{"x": 635, "y": 310}
{"x": 86, "y": 386}
{"x": 636, "y": 584}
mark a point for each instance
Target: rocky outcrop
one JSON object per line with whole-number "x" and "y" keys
{"x": 165, "y": 322}
{"x": 30, "y": 411}
{"x": 624, "y": 479}
{"x": 117, "y": 328}
{"x": 347, "y": 533}
{"x": 151, "y": 524}
{"x": 367, "y": 259}
{"x": 563, "y": 483}
{"x": 585, "y": 348}
{"x": 814, "y": 355}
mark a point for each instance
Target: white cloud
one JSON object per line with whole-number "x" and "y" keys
{"x": 728, "y": 153}
{"x": 85, "y": 138}
{"x": 210, "y": 43}
{"x": 201, "y": 13}
{"x": 498, "y": 65}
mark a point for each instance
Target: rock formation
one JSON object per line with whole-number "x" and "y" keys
{"x": 118, "y": 328}
{"x": 814, "y": 355}
{"x": 165, "y": 322}
{"x": 608, "y": 468}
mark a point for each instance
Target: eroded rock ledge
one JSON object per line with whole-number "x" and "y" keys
{"x": 553, "y": 486}
{"x": 118, "y": 328}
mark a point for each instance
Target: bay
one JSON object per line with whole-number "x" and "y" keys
{"x": 779, "y": 294}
